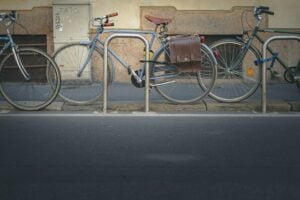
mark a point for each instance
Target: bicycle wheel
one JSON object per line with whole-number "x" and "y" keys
{"x": 182, "y": 87}
{"x": 87, "y": 87}
{"x": 235, "y": 81}
{"x": 37, "y": 92}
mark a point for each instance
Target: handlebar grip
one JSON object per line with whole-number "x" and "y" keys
{"x": 112, "y": 15}
{"x": 268, "y": 12}
{"x": 264, "y": 7}
{"x": 109, "y": 24}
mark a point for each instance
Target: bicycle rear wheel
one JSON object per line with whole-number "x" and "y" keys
{"x": 183, "y": 87}
{"x": 87, "y": 87}
{"x": 37, "y": 92}
{"x": 235, "y": 81}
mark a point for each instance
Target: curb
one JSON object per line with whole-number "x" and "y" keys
{"x": 251, "y": 106}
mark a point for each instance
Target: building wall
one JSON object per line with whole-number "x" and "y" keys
{"x": 36, "y": 21}
{"x": 23, "y": 4}
{"x": 287, "y": 12}
{"x": 210, "y": 17}
{"x": 213, "y": 17}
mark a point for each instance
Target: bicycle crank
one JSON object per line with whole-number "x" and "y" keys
{"x": 135, "y": 82}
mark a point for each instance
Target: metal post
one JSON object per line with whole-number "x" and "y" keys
{"x": 125, "y": 35}
{"x": 264, "y": 68}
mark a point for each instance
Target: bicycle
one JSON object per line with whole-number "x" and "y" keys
{"x": 81, "y": 65}
{"x": 239, "y": 63}
{"x": 29, "y": 77}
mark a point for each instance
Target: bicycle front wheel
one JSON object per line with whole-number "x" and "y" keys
{"x": 183, "y": 86}
{"x": 238, "y": 78}
{"x": 87, "y": 86}
{"x": 43, "y": 82}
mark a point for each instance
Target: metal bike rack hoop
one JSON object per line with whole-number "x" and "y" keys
{"x": 107, "y": 41}
{"x": 264, "y": 68}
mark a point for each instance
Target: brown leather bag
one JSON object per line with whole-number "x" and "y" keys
{"x": 185, "y": 53}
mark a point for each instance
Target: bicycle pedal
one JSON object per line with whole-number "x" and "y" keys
{"x": 275, "y": 74}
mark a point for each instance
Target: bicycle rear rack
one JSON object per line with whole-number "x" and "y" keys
{"x": 264, "y": 68}
{"x": 126, "y": 35}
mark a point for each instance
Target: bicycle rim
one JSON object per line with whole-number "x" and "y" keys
{"x": 87, "y": 87}
{"x": 235, "y": 81}
{"x": 182, "y": 87}
{"x": 37, "y": 92}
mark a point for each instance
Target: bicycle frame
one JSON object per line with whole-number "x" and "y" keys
{"x": 6, "y": 45}
{"x": 97, "y": 43}
{"x": 281, "y": 62}
{"x": 9, "y": 42}
{"x": 94, "y": 43}
{"x": 254, "y": 35}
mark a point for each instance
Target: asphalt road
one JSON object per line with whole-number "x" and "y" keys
{"x": 88, "y": 157}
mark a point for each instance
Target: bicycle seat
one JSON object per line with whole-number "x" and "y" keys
{"x": 157, "y": 20}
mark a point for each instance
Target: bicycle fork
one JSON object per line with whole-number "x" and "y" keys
{"x": 15, "y": 51}
{"x": 24, "y": 72}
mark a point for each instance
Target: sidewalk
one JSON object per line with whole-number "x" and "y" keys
{"x": 123, "y": 97}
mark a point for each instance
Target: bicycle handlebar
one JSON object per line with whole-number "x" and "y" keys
{"x": 12, "y": 16}
{"x": 109, "y": 24}
{"x": 112, "y": 15}
{"x": 104, "y": 21}
{"x": 262, "y": 10}
{"x": 264, "y": 7}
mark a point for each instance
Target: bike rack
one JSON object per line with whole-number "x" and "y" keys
{"x": 264, "y": 68}
{"x": 125, "y": 35}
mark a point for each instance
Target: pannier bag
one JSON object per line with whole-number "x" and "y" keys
{"x": 185, "y": 53}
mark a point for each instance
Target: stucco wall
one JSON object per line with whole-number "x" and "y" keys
{"x": 287, "y": 13}
{"x": 209, "y": 16}
{"x": 36, "y": 21}
{"x": 23, "y": 4}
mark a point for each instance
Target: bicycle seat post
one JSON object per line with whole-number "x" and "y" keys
{"x": 162, "y": 23}
{"x": 163, "y": 32}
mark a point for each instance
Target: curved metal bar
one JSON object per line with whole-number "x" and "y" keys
{"x": 125, "y": 35}
{"x": 264, "y": 68}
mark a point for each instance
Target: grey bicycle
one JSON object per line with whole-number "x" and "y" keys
{"x": 81, "y": 66}
{"x": 239, "y": 63}
{"x": 29, "y": 77}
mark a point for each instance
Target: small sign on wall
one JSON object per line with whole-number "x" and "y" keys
{"x": 71, "y": 22}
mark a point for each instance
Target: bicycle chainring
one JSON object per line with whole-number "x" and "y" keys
{"x": 289, "y": 74}
{"x": 134, "y": 81}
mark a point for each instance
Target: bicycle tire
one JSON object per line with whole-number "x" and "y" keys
{"x": 235, "y": 81}
{"x": 87, "y": 88}
{"x": 185, "y": 87}
{"x": 36, "y": 93}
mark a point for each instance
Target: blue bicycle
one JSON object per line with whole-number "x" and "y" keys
{"x": 81, "y": 65}
{"x": 29, "y": 77}
{"x": 240, "y": 64}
